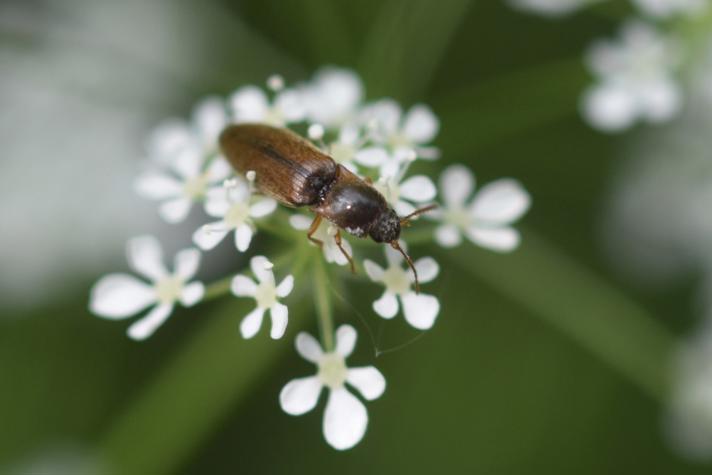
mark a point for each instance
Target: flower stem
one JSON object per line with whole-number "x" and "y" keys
{"x": 217, "y": 289}
{"x": 323, "y": 304}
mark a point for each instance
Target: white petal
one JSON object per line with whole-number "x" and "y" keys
{"x": 374, "y": 271}
{"x": 219, "y": 170}
{"x": 456, "y": 185}
{"x": 496, "y": 239}
{"x": 285, "y": 287}
{"x": 242, "y": 286}
{"x": 280, "y": 316}
{"x": 371, "y": 156}
{"x": 249, "y": 103}
{"x": 262, "y": 268}
{"x": 338, "y": 256}
{"x": 368, "y": 380}
{"x": 501, "y": 202}
{"x": 189, "y": 161}
{"x": 146, "y": 257}
{"x": 217, "y": 203}
{"x": 345, "y": 340}
{"x": 386, "y": 306}
{"x": 418, "y": 188}
{"x": 661, "y": 100}
{"x": 394, "y": 257}
{"x": 146, "y": 326}
{"x": 208, "y": 236}
{"x": 448, "y": 235}
{"x": 263, "y": 207}
{"x": 387, "y": 114}
{"x": 250, "y": 325}
{"x": 192, "y": 294}
{"x": 308, "y": 347}
{"x": 175, "y": 211}
{"x": 186, "y": 263}
{"x": 157, "y": 186}
{"x": 609, "y": 108}
{"x": 291, "y": 104}
{"x": 300, "y": 396}
{"x": 427, "y": 269}
{"x": 345, "y": 419}
{"x": 243, "y": 237}
{"x": 118, "y": 296}
{"x": 403, "y": 208}
{"x": 210, "y": 117}
{"x": 300, "y": 222}
{"x": 420, "y": 310}
{"x": 421, "y": 125}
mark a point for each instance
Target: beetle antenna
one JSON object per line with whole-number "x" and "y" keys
{"x": 405, "y": 221}
{"x": 396, "y": 246}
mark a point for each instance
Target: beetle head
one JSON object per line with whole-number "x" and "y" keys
{"x": 387, "y": 227}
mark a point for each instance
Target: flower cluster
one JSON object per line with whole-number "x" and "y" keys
{"x": 380, "y": 143}
{"x": 637, "y": 76}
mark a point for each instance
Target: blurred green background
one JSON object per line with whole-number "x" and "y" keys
{"x": 543, "y": 361}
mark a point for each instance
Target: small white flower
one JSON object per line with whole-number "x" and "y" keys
{"x": 407, "y": 195}
{"x": 420, "y": 310}
{"x": 237, "y": 208}
{"x": 345, "y": 417}
{"x": 251, "y": 104}
{"x": 551, "y": 8}
{"x": 668, "y": 8}
{"x": 266, "y": 294}
{"x": 183, "y": 184}
{"x": 325, "y": 233}
{"x": 350, "y": 151}
{"x": 635, "y": 79}
{"x": 332, "y": 97}
{"x": 119, "y": 296}
{"x": 404, "y": 135}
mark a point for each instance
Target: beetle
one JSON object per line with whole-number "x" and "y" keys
{"x": 296, "y": 173}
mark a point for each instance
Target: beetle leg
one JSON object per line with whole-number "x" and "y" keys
{"x": 312, "y": 229}
{"x": 337, "y": 238}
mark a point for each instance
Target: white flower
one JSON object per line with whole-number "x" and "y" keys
{"x": 325, "y": 233}
{"x": 551, "y": 8}
{"x": 332, "y": 97}
{"x": 404, "y": 196}
{"x": 405, "y": 135}
{"x": 420, "y": 310}
{"x": 635, "y": 79}
{"x": 345, "y": 417}
{"x": 667, "y": 8}
{"x": 266, "y": 294}
{"x": 119, "y": 296}
{"x": 250, "y": 104}
{"x": 183, "y": 184}
{"x": 487, "y": 219}
{"x": 237, "y": 208}
{"x": 349, "y": 150}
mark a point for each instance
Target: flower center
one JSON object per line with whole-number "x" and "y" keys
{"x": 341, "y": 152}
{"x": 266, "y": 295}
{"x": 459, "y": 217}
{"x": 274, "y": 116}
{"x": 195, "y": 186}
{"x": 396, "y": 280}
{"x": 398, "y": 140}
{"x": 168, "y": 289}
{"x": 237, "y": 214}
{"x": 332, "y": 370}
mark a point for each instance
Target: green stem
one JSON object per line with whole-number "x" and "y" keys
{"x": 217, "y": 289}
{"x": 323, "y": 304}
{"x": 575, "y": 301}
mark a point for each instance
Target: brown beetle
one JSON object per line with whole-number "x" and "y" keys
{"x": 293, "y": 171}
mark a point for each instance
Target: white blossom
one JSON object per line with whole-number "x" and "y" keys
{"x": 332, "y": 97}
{"x": 487, "y": 219}
{"x": 420, "y": 310}
{"x": 266, "y": 294}
{"x": 668, "y": 8}
{"x": 404, "y": 194}
{"x": 237, "y": 209}
{"x": 326, "y": 233}
{"x": 345, "y": 417}
{"x": 405, "y": 135}
{"x": 119, "y": 296}
{"x": 251, "y": 104}
{"x": 351, "y": 151}
{"x": 635, "y": 79}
